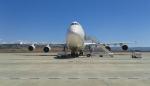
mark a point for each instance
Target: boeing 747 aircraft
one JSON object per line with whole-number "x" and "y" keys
{"x": 75, "y": 41}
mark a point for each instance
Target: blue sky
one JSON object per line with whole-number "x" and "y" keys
{"x": 48, "y": 20}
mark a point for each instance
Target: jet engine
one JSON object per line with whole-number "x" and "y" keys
{"x": 47, "y": 49}
{"x": 108, "y": 48}
{"x": 31, "y": 47}
{"x": 125, "y": 47}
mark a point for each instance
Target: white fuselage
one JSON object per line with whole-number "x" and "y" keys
{"x": 75, "y": 37}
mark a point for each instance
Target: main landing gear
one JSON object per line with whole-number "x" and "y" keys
{"x": 74, "y": 54}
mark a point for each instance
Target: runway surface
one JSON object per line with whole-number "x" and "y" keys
{"x": 39, "y": 69}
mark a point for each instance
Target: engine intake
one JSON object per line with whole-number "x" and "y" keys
{"x": 47, "y": 49}
{"x": 31, "y": 47}
{"x": 108, "y": 48}
{"x": 125, "y": 47}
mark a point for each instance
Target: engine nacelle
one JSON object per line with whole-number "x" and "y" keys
{"x": 125, "y": 47}
{"x": 31, "y": 47}
{"x": 108, "y": 48}
{"x": 47, "y": 49}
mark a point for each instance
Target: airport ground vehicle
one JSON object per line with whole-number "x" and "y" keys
{"x": 136, "y": 54}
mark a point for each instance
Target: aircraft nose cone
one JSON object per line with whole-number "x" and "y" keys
{"x": 74, "y": 30}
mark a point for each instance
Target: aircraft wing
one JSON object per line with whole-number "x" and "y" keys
{"x": 119, "y": 43}
{"x": 89, "y": 42}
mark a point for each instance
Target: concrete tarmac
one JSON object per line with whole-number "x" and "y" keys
{"x": 39, "y": 69}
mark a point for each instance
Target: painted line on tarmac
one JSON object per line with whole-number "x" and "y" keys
{"x": 114, "y": 78}
{"x": 74, "y": 78}
{"x": 93, "y": 78}
{"x": 34, "y": 78}
{"x": 54, "y": 78}
{"x": 133, "y": 78}
{"x": 15, "y": 78}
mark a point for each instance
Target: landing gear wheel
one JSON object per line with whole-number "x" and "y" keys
{"x": 73, "y": 54}
{"x": 77, "y": 55}
{"x": 81, "y": 53}
{"x": 88, "y": 55}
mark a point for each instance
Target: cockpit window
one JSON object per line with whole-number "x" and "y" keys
{"x": 74, "y": 24}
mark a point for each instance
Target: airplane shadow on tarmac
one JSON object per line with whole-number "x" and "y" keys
{"x": 64, "y": 57}
{"x": 54, "y": 56}
{"x": 40, "y": 55}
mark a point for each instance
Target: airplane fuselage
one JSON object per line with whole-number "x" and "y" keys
{"x": 75, "y": 37}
